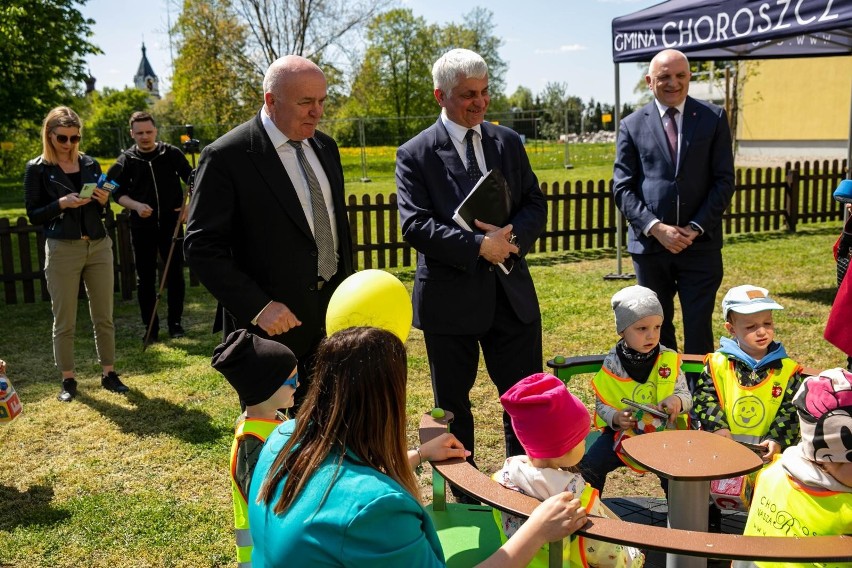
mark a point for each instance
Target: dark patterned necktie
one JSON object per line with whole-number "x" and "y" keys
{"x": 473, "y": 171}
{"x": 322, "y": 223}
{"x": 671, "y": 132}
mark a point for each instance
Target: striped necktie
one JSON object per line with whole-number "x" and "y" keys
{"x": 322, "y": 223}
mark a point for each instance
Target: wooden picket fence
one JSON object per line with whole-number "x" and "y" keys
{"x": 581, "y": 216}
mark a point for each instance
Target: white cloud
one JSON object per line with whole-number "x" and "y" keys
{"x": 564, "y": 49}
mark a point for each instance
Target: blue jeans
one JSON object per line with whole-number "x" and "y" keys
{"x": 601, "y": 459}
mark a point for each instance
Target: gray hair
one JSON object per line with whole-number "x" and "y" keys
{"x": 457, "y": 63}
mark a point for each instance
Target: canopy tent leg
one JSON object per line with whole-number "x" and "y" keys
{"x": 619, "y": 275}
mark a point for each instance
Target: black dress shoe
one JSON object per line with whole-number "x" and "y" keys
{"x": 68, "y": 392}
{"x": 112, "y": 383}
{"x": 176, "y": 330}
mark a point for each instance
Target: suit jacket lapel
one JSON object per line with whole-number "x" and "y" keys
{"x": 655, "y": 127}
{"x": 688, "y": 125}
{"x": 491, "y": 147}
{"x": 265, "y": 158}
{"x": 332, "y": 172}
{"x": 447, "y": 153}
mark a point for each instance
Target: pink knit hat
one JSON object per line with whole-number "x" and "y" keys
{"x": 548, "y": 420}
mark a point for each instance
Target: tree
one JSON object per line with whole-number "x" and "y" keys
{"x": 214, "y": 82}
{"x": 522, "y": 99}
{"x": 106, "y": 129}
{"x": 476, "y": 33}
{"x": 395, "y": 77}
{"x": 43, "y": 45}
{"x": 302, "y": 27}
{"x": 554, "y": 103}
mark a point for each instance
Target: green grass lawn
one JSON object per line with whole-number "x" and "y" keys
{"x": 142, "y": 480}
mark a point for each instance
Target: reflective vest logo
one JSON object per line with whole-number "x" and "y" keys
{"x": 749, "y": 412}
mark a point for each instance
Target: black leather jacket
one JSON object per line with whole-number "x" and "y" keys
{"x": 152, "y": 178}
{"x": 45, "y": 183}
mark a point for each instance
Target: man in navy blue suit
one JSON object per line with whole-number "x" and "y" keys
{"x": 462, "y": 299}
{"x": 673, "y": 179}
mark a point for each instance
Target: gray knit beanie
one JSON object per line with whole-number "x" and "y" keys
{"x": 634, "y": 303}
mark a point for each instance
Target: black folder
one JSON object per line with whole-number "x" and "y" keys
{"x": 490, "y": 201}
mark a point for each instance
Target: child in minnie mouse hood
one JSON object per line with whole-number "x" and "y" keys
{"x": 808, "y": 490}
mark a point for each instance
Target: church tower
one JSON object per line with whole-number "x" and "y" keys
{"x": 145, "y": 78}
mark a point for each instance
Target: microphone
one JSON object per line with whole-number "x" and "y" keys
{"x": 107, "y": 180}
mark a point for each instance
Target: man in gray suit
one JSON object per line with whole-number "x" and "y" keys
{"x": 673, "y": 179}
{"x": 267, "y": 232}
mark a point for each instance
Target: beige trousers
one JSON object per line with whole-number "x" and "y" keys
{"x": 66, "y": 261}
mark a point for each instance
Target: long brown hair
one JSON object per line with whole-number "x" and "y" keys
{"x": 355, "y": 402}
{"x": 64, "y": 117}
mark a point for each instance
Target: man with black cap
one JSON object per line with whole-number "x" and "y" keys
{"x": 264, "y": 374}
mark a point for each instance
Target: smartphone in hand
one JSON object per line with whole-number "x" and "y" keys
{"x": 88, "y": 190}
{"x": 645, "y": 408}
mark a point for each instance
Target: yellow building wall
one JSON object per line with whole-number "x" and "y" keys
{"x": 796, "y": 99}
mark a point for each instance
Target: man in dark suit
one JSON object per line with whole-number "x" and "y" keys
{"x": 462, "y": 299}
{"x": 673, "y": 179}
{"x": 263, "y": 191}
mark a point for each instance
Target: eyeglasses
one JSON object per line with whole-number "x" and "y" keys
{"x": 62, "y": 139}
{"x": 292, "y": 381}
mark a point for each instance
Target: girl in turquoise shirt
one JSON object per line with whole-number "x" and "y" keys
{"x": 336, "y": 487}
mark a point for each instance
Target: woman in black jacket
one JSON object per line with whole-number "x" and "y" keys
{"x": 76, "y": 246}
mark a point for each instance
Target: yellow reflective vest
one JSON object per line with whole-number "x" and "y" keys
{"x": 749, "y": 411}
{"x": 573, "y": 556}
{"x": 260, "y": 429}
{"x": 610, "y": 389}
{"x": 784, "y": 507}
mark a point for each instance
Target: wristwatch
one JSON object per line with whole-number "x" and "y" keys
{"x": 695, "y": 227}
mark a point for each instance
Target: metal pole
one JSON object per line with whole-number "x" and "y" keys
{"x": 568, "y": 164}
{"x": 619, "y": 275}
{"x": 362, "y": 138}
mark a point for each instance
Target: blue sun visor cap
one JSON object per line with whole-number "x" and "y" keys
{"x": 843, "y": 193}
{"x": 748, "y": 299}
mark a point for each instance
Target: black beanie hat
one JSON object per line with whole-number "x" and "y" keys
{"x": 255, "y": 367}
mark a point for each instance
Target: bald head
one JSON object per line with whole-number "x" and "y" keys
{"x": 294, "y": 93}
{"x": 285, "y": 67}
{"x": 668, "y": 77}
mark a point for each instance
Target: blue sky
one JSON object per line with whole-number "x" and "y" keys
{"x": 561, "y": 41}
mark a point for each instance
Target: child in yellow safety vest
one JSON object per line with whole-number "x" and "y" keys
{"x": 641, "y": 369}
{"x": 808, "y": 490}
{"x": 746, "y": 389}
{"x": 552, "y": 424}
{"x": 264, "y": 374}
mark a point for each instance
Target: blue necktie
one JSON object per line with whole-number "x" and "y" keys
{"x": 473, "y": 171}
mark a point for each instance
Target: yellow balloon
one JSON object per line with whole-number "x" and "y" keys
{"x": 372, "y": 298}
